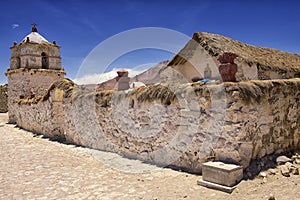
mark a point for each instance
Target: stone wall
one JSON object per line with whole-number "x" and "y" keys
{"x": 180, "y": 126}
{"x": 45, "y": 114}
{"x": 29, "y": 55}
{"x": 27, "y": 82}
{"x": 3, "y": 98}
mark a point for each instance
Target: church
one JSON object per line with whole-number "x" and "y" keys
{"x": 35, "y": 64}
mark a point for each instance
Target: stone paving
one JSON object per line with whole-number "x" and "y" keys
{"x": 35, "y": 168}
{"x": 32, "y": 167}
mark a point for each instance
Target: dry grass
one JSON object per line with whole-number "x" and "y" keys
{"x": 248, "y": 90}
{"x": 103, "y": 98}
{"x": 253, "y": 91}
{"x": 265, "y": 58}
{"x": 65, "y": 84}
{"x": 28, "y": 101}
{"x": 156, "y": 92}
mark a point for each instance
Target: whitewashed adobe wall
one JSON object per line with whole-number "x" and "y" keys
{"x": 196, "y": 65}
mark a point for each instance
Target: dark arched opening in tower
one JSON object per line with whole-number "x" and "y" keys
{"x": 45, "y": 64}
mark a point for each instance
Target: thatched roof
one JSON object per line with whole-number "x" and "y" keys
{"x": 265, "y": 58}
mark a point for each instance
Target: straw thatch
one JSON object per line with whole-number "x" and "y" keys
{"x": 64, "y": 84}
{"x": 103, "y": 98}
{"x": 28, "y": 100}
{"x": 156, "y": 92}
{"x": 214, "y": 44}
{"x": 253, "y": 91}
{"x": 249, "y": 91}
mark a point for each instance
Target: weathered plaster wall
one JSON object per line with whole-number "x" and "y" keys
{"x": 246, "y": 71}
{"x": 43, "y": 114}
{"x": 43, "y": 117}
{"x": 232, "y": 122}
{"x": 25, "y": 82}
{"x": 196, "y": 64}
{"x": 3, "y": 98}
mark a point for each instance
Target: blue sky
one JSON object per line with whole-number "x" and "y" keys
{"x": 79, "y": 26}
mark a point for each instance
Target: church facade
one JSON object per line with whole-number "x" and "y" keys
{"x": 35, "y": 64}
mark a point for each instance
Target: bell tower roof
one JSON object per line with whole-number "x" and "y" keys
{"x": 34, "y": 36}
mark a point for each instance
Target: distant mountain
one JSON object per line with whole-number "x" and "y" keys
{"x": 150, "y": 76}
{"x": 103, "y": 77}
{"x": 108, "y": 81}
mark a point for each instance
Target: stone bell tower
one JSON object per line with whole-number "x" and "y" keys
{"x": 35, "y": 64}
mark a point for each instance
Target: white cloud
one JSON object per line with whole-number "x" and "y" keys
{"x": 15, "y": 26}
{"x": 99, "y": 78}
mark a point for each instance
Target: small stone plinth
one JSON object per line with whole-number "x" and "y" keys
{"x": 221, "y": 173}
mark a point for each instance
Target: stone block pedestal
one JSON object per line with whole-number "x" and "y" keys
{"x": 219, "y": 175}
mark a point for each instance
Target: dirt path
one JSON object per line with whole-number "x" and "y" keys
{"x": 36, "y": 168}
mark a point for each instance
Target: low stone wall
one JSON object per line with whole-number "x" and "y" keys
{"x": 24, "y": 82}
{"x": 180, "y": 126}
{"x": 42, "y": 118}
{"x": 3, "y": 99}
{"x": 44, "y": 114}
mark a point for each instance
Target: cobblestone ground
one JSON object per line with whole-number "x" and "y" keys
{"x": 35, "y": 168}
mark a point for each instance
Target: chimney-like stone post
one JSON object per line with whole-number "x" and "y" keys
{"x": 123, "y": 80}
{"x": 227, "y": 68}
